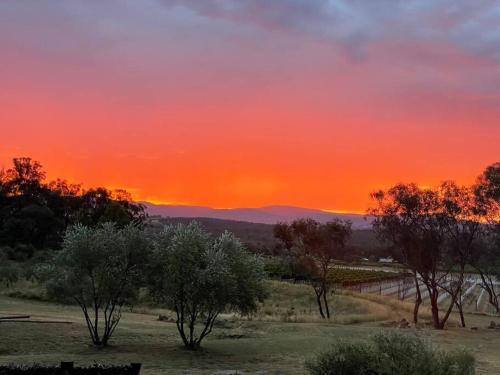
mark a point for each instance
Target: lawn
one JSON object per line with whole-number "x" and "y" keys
{"x": 271, "y": 343}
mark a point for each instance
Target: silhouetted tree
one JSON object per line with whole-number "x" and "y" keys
{"x": 417, "y": 223}
{"x": 395, "y": 215}
{"x": 34, "y": 214}
{"x": 100, "y": 205}
{"x": 25, "y": 178}
{"x": 25, "y": 216}
{"x": 315, "y": 246}
{"x": 462, "y": 221}
{"x": 487, "y": 262}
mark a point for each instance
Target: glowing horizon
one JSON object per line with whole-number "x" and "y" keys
{"x": 308, "y": 103}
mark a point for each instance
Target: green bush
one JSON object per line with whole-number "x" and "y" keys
{"x": 9, "y": 273}
{"x": 390, "y": 354}
{"x": 277, "y": 267}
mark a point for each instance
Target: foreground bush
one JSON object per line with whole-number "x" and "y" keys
{"x": 390, "y": 354}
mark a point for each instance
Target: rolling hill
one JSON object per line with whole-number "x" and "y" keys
{"x": 259, "y": 237}
{"x": 263, "y": 215}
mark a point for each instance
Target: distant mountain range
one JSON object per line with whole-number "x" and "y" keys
{"x": 265, "y": 215}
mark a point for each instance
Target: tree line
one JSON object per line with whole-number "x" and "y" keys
{"x": 35, "y": 213}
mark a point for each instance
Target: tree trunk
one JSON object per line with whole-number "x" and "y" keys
{"x": 319, "y": 293}
{"x": 459, "y": 305}
{"x": 461, "y": 312}
{"x": 489, "y": 286}
{"x": 418, "y": 301}
{"x": 496, "y": 304}
{"x": 433, "y": 296}
{"x": 326, "y": 303}
{"x": 180, "y": 324}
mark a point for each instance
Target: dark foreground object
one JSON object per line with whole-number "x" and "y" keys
{"x": 67, "y": 368}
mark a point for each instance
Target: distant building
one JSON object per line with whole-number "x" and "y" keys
{"x": 386, "y": 260}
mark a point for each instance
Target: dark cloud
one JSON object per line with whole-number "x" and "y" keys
{"x": 352, "y": 24}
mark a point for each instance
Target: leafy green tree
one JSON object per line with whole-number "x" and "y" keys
{"x": 199, "y": 277}
{"x": 101, "y": 269}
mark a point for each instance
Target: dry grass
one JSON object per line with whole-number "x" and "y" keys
{"x": 242, "y": 347}
{"x": 271, "y": 346}
{"x": 396, "y": 306}
{"x": 297, "y": 303}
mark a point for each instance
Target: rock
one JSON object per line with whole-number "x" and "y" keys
{"x": 492, "y": 325}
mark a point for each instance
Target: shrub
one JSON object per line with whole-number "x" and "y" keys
{"x": 277, "y": 267}
{"x": 344, "y": 358}
{"x": 390, "y": 354}
{"x": 9, "y": 273}
{"x": 22, "y": 252}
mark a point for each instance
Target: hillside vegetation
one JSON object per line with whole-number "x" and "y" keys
{"x": 259, "y": 237}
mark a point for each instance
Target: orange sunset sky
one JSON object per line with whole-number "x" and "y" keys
{"x": 227, "y": 103}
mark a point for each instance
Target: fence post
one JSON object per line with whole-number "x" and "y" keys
{"x": 67, "y": 368}
{"x": 136, "y": 368}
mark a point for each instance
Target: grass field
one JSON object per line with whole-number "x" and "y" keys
{"x": 277, "y": 340}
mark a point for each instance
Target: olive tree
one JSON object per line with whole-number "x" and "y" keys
{"x": 199, "y": 277}
{"x": 101, "y": 270}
